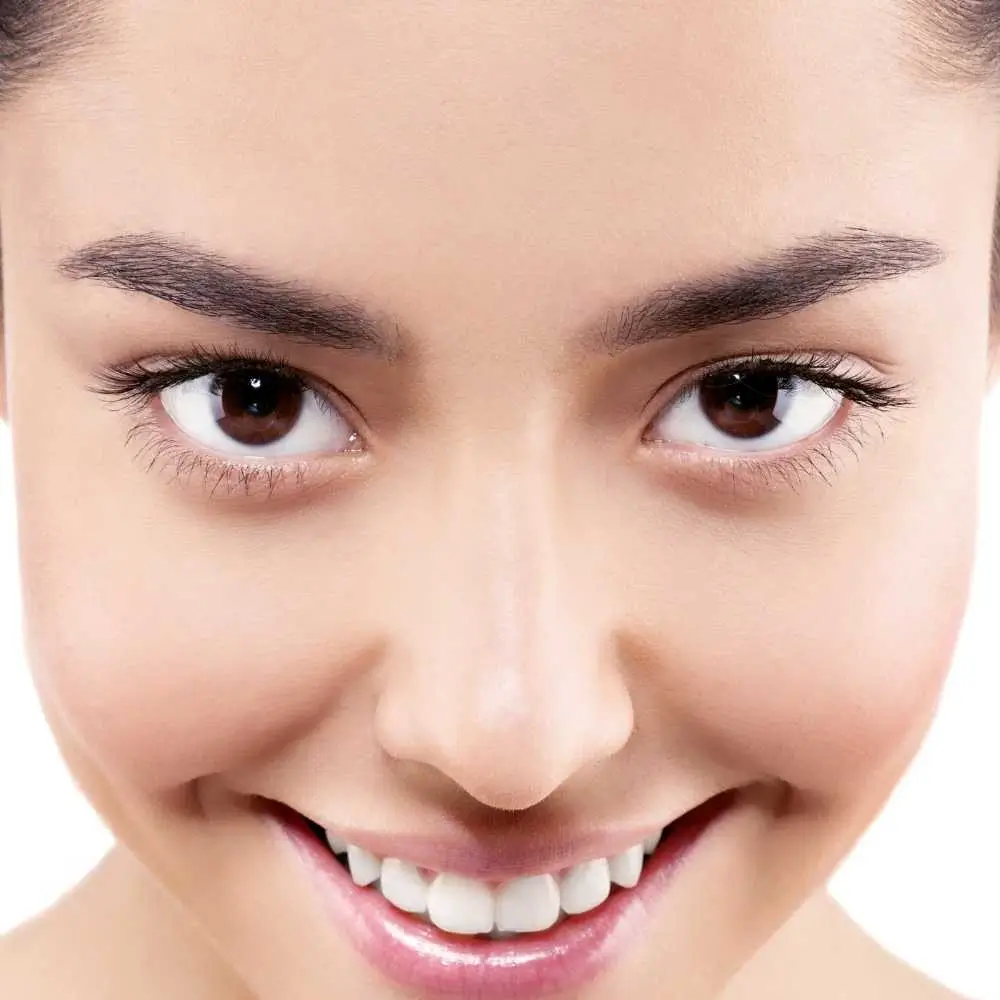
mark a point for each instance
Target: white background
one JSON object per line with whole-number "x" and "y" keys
{"x": 925, "y": 879}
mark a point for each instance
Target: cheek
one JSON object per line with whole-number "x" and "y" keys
{"x": 182, "y": 649}
{"x": 817, "y": 655}
{"x": 837, "y": 690}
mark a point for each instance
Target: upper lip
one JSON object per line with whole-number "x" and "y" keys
{"x": 493, "y": 856}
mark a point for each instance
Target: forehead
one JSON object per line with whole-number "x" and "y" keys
{"x": 604, "y": 136}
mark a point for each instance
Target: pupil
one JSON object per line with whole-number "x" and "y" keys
{"x": 741, "y": 405}
{"x": 257, "y": 408}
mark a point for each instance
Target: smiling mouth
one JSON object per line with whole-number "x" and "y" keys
{"x": 521, "y": 935}
{"x": 525, "y": 905}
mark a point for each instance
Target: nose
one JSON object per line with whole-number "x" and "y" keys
{"x": 505, "y": 682}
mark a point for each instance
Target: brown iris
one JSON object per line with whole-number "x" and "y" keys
{"x": 742, "y": 405}
{"x": 257, "y": 407}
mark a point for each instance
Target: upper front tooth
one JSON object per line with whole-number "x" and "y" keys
{"x": 585, "y": 886}
{"x": 467, "y": 906}
{"x": 337, "y": 845}
{"x": 460, "y": 905}
{"x": 365, "y": 868}
{"x": 528, "y": 904}
{"x": 625, "y": 868}
{"x": 651, "y": 842}
{"x": 403, "y": 886}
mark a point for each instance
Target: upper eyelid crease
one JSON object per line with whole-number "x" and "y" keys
{"x": 781, "y": 282}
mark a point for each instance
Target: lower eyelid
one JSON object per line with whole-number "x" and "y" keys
{"x": 746, "y": 474}
{"x": 251, "y": 479}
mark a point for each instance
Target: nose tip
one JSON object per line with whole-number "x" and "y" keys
{"x": 515, "y": 748}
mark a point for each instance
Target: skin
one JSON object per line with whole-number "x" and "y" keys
{"x": 508, "y": 612}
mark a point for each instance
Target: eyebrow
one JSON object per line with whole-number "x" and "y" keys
{"x": 207, "y": 283}
{"x": 776, "y": 284}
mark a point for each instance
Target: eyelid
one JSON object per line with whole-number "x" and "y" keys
{"x": 186, "y": 363}
{"x": 747, "y": 476}
{"x": 822, "y": 367}
{"x": 136, "y": 384}
{"x": 866, "y": 399}
{"x": 192, "y": 361}
{"x": 265, "y": 479}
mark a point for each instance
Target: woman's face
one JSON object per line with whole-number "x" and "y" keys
{"x": 513, "y": 577}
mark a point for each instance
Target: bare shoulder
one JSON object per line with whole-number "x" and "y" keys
{"x": 913, "y": 985}
{"x": 877, "y": 974}
{"x": 115, "y": 935}
{"x": 23, "y": 956}
{"x": 48, "y": 956}
{"x": 825, "y": 955}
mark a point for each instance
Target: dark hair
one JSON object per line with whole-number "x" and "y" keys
{"x": 951, "y": 44}
{"x": 37, "y": 37}
{"x": 954, "y": 43}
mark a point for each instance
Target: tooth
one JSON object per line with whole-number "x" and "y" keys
{"x": 625, "y": 868}
{"x": 460, "y": 905}
{"x": 365, "y": 868}
{"x": 496, "y": 935}
{"x": 337, "y": 845}
{"x": 403, "y": 886}
{"x": 528, "y": 904}
{"x": 585, "y": 886}
{"x": 651, "y": 842}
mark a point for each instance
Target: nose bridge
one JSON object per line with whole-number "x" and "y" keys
{"x": 506, "y": 688}
{"x": 506, "y": 562}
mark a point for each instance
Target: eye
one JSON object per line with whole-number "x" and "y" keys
{"x": 747, "y": 411}
{"x": 249, "y": 412}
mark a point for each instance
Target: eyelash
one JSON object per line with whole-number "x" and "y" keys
{"x": 749, "y": 472}
{"x": 136, "y": 386}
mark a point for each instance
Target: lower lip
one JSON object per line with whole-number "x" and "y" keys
{"x": 429, "y": 962}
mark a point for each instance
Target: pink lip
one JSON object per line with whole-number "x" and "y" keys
{"x": 494, "y": 858}
{"x": 431, "y": 963}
